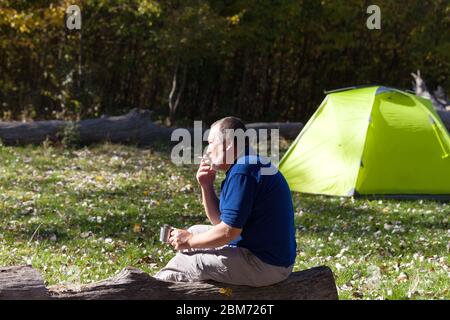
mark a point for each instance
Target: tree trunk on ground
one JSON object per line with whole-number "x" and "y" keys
{"x": 133, "y": 127}
{"x": 288, "y": 130}
{"x": 24, "y": 282}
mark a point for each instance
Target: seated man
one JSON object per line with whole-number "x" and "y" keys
{"x": 252, "y": 237}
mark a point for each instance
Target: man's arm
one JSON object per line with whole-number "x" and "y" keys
{"x": 211, "y": 204}
{"x": 218, "y": 236}
{"x": 206, "y": 177}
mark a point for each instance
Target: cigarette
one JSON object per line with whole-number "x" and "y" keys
{"x": 204, "y": 158}
{"x": 208, "y": 161}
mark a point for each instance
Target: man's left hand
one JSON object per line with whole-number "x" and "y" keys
{"x": 179, "y": 239}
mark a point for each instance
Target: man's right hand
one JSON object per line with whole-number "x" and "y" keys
{"x": 205, "y": 175}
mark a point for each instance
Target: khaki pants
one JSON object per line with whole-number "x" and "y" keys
{"x": 227, "y": 264}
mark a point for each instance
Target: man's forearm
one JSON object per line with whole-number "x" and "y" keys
{"x": 218, "y": 236}
{"x": 211, "y": 204}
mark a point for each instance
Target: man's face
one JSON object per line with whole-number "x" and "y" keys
{"x": 216, "y": 150}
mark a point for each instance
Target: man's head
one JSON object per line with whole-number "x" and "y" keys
{"x": 222, "y": 142}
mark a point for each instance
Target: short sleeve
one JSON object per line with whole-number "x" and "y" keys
{"x": 237, "y": 200}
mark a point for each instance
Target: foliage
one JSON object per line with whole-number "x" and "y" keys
{"x": 70, "y": 135}
{"x": 260, "y": 60}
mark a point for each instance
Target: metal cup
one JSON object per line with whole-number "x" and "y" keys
{"x": 164, "y": 233}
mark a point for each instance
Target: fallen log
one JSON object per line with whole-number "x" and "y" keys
{"x": 287, "y": 130}
{"x": 133, "y": 127}
{"x": 24, "y": 282}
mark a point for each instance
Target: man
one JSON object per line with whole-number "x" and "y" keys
{"x": 252, "y": 238}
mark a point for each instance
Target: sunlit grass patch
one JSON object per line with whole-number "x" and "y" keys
{"x": 80, "y": 215}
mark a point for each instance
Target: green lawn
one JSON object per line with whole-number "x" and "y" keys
{"x": 80, "y": 215}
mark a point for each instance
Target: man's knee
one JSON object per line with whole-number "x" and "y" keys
{"x": 170, "y": 275}
{"x": 182, "y": 267}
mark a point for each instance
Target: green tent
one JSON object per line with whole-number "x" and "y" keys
{"x": 371, "y": 141}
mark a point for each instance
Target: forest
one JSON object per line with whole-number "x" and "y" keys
{"x": 183, "y": 60}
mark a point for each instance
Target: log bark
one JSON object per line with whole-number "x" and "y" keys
{"x": 133, "y": 127}
{"x": 23, "y": 282}
{"x": 287, "y": 130}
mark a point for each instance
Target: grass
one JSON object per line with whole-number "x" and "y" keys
{"x": 80, "y": 215}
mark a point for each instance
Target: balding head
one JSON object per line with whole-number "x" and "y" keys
{"x": 229, "y": 123}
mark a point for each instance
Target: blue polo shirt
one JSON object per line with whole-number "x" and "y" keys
{"x": 260, "y": 205}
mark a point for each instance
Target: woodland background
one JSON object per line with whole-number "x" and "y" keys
{"x": 259, "y": 60}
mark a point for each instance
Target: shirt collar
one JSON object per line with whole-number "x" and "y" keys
{"x": 243, "y": 154}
